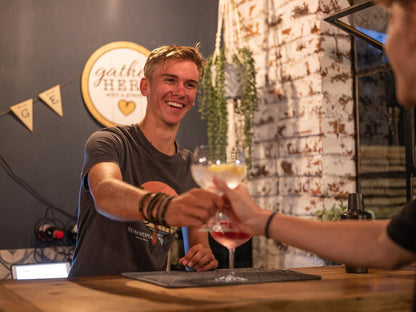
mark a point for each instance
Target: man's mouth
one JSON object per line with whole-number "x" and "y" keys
{"x": 176, "y": 105}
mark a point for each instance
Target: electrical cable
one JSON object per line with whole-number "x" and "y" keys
{"x": 30, "y": 190}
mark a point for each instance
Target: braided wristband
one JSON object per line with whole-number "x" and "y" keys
{"x": 141, "y": 204}
{"x": 266, "y": 229}
{"x": 163, "y": 208}
{"x": 153, "y": 203}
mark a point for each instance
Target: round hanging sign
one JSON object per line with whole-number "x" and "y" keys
{"x": 110, "y": 83}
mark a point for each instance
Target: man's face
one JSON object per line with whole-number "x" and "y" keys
{"x": 172, "y": 91}
{"x": 401, "y": 50}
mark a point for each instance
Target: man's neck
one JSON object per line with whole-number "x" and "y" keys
{"x": 161, "y": 136}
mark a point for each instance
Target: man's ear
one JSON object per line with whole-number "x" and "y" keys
{"x": 144, "y": 86}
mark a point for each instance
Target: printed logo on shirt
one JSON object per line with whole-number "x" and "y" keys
{"x": 140, "y": 234}
{"x": 146, "y": 237}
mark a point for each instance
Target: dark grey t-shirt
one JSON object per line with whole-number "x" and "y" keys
{"x": 402, "y": 228}
{"x": 107, "y": 247}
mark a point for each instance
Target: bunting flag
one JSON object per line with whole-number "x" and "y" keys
{"x": 110, "y": 87}
{"x": 24, "y": 111}
{"x": 52, "y": 97}
{"x": 115, "y": 67}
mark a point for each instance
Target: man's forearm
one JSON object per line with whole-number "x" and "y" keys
{"x": 118, "y": 200}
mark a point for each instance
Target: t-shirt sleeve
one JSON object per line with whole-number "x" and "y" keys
{"x": 402, "y": 228}
{"x": 101, "y": 146}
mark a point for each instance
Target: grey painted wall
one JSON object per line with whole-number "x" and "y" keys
{"x": 47, "y": 42}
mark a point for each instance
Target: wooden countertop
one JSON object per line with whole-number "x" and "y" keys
{"x": 337, "y": 291}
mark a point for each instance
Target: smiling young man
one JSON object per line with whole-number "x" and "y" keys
{"x": 136, "y": 186}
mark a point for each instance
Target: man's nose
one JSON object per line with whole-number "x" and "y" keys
{"x": 179, "y": 89}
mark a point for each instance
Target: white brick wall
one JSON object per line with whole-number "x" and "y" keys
{"x": 304, "y": 148}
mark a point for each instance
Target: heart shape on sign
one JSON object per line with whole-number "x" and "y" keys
{"x": 126, "y": 107}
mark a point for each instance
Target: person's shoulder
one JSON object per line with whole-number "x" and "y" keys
{"x": 114, "y": 131}
{"x": 119, "y": 129}
{"x": 412, "y": 203}
{"x": 407, "y": 213}
{"x": 410, "y": 208}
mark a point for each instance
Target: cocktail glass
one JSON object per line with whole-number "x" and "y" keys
{"x": 230, "y": 167}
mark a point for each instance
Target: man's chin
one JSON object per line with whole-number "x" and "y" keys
{"x": 172, "y": 124}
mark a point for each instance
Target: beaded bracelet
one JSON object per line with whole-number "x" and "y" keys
{"x": 266, "y": 229}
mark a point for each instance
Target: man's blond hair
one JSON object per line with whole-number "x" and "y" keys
{"x": 173, "y": 52}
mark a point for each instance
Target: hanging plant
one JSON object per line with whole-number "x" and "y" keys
{"x": 213, "y": 104}
{"x": 228, "y": 93}
{"x": 215, "y": 91}
{"x": 247, "y": 104}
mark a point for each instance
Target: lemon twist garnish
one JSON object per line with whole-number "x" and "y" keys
{"x": 235, "y": 169}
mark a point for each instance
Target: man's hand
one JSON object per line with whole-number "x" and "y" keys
{"x": 199, "y": 258}
{"x": 193, "y": 208}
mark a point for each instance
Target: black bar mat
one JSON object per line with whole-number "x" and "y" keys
{"x": 183, "y": 279}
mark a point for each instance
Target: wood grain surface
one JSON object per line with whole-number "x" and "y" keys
{"x": 337, "y": 291}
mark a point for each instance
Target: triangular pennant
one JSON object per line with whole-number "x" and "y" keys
{"x": 52, "y": 97}
{"x": 24, "y": 111}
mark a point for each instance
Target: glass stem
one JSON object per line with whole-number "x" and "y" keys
{"x": 231, "y": 260}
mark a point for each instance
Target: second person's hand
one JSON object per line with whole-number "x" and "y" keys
{"x": 242, "y": 209}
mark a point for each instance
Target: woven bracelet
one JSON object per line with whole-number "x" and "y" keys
{"x": 141, "y": 204}
{"x": 266, "y": 229}
{"x": 163, "y": 208}
{"x": 151, "y": 205}
{"x": 160, "y": 208}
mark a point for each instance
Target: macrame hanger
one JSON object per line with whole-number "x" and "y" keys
{"x": 227, "y": 18}
{"x": 219, "y": 30}
{"x": 237, "y": 26}
{"x": 228, "y": 32}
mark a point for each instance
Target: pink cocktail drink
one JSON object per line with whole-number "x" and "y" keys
{"x": 227, "y": 235}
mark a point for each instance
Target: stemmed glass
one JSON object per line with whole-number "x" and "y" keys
{"x": 230, "y": 167}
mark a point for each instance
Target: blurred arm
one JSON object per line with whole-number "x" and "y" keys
{"x": 364, "y": 243}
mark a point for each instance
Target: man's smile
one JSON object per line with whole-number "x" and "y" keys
{"x": 175, "y": 104}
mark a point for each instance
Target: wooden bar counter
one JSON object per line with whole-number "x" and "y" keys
{"x": 337, "y": 291}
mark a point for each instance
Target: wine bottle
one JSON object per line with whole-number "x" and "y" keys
{"x": 49, "y": 233}
{"x": 355, "y": 211}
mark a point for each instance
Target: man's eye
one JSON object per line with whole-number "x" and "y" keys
{"x": 192, "y": 85}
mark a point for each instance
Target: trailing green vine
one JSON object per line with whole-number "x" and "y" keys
{"x": 213, "y": 102}
{"x": 221, "y": 138}
{"x": 249, "y": 100}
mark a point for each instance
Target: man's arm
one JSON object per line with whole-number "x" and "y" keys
{"x": 119, "y": 200}
{"x": 113, "y": 197}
